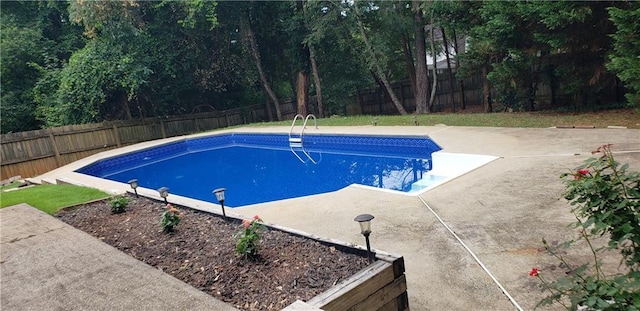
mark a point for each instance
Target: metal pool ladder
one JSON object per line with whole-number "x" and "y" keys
{"x": 295, "y": 139}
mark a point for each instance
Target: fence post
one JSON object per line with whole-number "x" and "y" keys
{"x": 164, "y": 132}
{"x": 55, "y": 148}
{"x": 379, "y": 100}
{"x": 402, "y": 95}
{"x": 116, "y": 135}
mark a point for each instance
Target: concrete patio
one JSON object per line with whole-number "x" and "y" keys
{"x": 468, "y": 244}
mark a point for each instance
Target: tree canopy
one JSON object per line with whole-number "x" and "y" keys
{"x": 89, "y": 61}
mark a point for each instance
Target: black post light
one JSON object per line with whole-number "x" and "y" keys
{"x": 164, "y": 192}
{"x": 134, "y": 185}
{"x": 220, "y": 196}
{"x": 365, "y": 228}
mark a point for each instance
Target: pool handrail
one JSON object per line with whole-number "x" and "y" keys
{"x": 296, "y": 142}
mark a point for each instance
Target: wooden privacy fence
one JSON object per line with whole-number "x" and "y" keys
{"x": 375, "y": 101}
{"x": 32, "y": 153}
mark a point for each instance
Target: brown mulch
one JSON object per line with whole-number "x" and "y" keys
{"x": 200, "y": 252}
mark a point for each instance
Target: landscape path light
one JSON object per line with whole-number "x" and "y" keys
{"x": 365, "y": 228}
{"x": 164, "y": 192}
{"x": 134, "y": 185}
{"x": 220, "y": 196}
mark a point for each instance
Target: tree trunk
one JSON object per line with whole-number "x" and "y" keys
{"x": 451, "y": 84}
{"x": 267, "y": 107}
{"x": 125, "y": 107}
{"x": 314, "y": 69}
{"x": 316, "y": 82}
{"x": 302, "y": 92}
{"x": 532, "y": 96}
{"x": 435, "y": 62}
{"x": 253, "y": 47}
{"x": 408, "y": 60}
{"x": 552, "y": 85}
{"x": 533, "y": 85}
{"x": 422, "y": 81}
{"x": 460, "y": 81}
{"x": 486, "y": 90}
{"x": 376, "y": 64}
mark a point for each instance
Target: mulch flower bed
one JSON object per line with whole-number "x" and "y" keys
{"x": 200, "y": 252}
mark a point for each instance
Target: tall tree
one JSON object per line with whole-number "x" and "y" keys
{"x": 457, "y": 18}
{"x": 445, "y": 43}
{"x": 107, "y": 70}
{"x": 314, "y": 63}
{"x": 421, "y": 75}
{"x": 434, "y": 54}
{"x": 255, "y": 53}
{"x": 37, "y": 39}
{"x": 624, "y": 59}
{"x": 521, "y": 40}
{"x": 377, "y": 66}
{"x": 330, "y": 36}
{"x": 300, "y": 55}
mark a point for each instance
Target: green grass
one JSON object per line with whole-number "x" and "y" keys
{"x": 599, "y": 119}
{"x": 10, "y": 185}
{"x": 50, "y": 198}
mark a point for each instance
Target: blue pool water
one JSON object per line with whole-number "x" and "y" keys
{"x": 257, "y": 168}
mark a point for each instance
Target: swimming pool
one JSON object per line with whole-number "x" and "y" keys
{"x": 257, "y": 168}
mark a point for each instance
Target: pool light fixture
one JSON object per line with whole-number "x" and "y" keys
{"x": 134, "y": 185}
{"x": 220, "y": 196}
{"x": 164, "y": 192}
{"x": 365, "y": 228}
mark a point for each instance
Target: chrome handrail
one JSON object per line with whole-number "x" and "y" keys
{"x": 315, "y": 122}
{"x": 296, "y": 142}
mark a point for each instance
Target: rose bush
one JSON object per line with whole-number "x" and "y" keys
{"x": 170, "y": 218}
{"x": 605, "y": 198}
{"x": 249, "y": 238}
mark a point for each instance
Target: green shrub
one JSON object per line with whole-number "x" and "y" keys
{"x": 170, "y": 218}
{"x": 249, "y": 238}
{"x": 119, "y": 204}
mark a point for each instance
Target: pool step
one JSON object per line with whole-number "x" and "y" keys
{"x": 446, "y": 166}
{"x": 295, "y": 140}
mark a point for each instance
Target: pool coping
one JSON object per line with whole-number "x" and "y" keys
{"x": 500, "y": 211}
{"x": 68, "y": 174}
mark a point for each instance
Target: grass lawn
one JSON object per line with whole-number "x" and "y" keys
{"x": 598, "y": 119}
{"x": 50, "y": 198}
{"x": 10, "y": 185}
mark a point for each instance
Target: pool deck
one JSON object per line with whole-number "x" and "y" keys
{"x": 468, "y": 244}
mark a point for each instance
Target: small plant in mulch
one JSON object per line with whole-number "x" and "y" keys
{"x": 170, "y": 218}
{"x": 119, "y": 204}
{"x": 248, "y": 242}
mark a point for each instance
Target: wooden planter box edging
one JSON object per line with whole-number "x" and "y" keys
{"x": 381, "y": 286}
